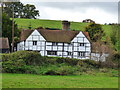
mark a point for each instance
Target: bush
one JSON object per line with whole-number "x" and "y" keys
{"x": 69, "y": 61}
{"x": 27, "y": 57}
{"x": 113, "y": 61}
{"x": 65, "y": 70}
{"x": 16, "y": 61}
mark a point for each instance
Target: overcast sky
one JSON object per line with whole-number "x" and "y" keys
{"x": 100, "y": 12}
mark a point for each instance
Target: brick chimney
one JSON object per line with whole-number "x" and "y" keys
{"x": 65, "y": 25}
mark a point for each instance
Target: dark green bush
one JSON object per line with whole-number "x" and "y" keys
{"x": 16, "y": 61}
{"x": 34, "y": 63}
{"x": 69, "y": 61}
{"x": 26, "y": 57}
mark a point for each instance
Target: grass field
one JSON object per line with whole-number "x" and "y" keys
{"x": 37, "y": 81}
{"x": 35, "y": 23}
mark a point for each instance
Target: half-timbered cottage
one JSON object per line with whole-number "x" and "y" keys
{"x": 60, "y": 43}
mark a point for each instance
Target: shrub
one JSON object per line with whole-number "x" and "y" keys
{"x": 65, "y": 70}
{"x": 69, "y": 61}
{"x": 113, "y": 61}
{"x": 104, "y": 70}
{"x": 28, "y": 57}
{"x": 16, "y": 61}
{"x": 91, "y": 63}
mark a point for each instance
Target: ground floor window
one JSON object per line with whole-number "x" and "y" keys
{"x": 81, "y": 54}
{"x": 69, "y": 53}
{"x": 51, "y": 52}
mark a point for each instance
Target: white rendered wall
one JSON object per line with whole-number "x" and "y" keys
{"x": 97, "y": 57}
{"x": 81, "y": 38}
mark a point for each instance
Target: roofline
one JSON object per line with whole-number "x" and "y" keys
{"x": 86, "y": 37}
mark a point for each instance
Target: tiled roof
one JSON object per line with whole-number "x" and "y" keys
{"x": 24, "y": 34}
{"x": 53, "y": 35}
{"x": 4, "y": 44}
{"x": 58, "y": 35}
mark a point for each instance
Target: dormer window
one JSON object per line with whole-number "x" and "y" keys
{"x": 34, "y": 42}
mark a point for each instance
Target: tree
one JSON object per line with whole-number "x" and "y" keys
{"x": 8, "y": 9}
{"x": 95, "y": 31}
{"x": 20, "y": 10}
{"x": 115, "y": 36}
{"x": 30, "y": 12}
{"x": 7, "y": 28}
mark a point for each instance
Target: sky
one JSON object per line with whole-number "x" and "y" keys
{"x": 100, "y": 12}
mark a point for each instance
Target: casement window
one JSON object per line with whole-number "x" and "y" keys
{"x": 34, "y": 42}
{"x": 54, "y": 43}
{"x": 51, "y": 52}
{"x": 81, "y": 54}
{"x": 69, "y": 53}
{"x": 82, "y": 44}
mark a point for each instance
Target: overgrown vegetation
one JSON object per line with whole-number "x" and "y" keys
{"x": 34, "y": 63}
{"x": 95, "y": 31}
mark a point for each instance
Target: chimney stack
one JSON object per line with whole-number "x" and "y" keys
{"x": 65, "y": 25}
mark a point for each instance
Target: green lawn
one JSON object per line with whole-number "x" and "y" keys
{"x": 38, "y": 81}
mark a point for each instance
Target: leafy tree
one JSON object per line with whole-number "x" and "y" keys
{"x": 7, "y": 28}
{"x": 115, "y": 36}
{"x": 20, "y": 10}
{"x": 8, "y": 9}
{"x": 30, "y": 12}
{"x": 95, "y": 31}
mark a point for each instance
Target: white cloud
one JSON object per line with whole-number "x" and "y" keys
{"x": 96, "y": 14}
{"x": 99, "y": 12}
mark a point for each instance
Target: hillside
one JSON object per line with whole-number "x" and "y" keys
{"x": 35, "y": 23}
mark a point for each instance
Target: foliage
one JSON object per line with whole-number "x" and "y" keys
{"x": 69, "y": 61}
{"x": 33, "y": 63}
{"x": 20, "y": 10}
{"x": 17, "y": 61}
{"x": 95, "y": 31}
{"x": 7, "y": 28}
{"x": 115, "y": 36}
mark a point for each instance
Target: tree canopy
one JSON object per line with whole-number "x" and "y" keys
{"x": 7, "y": 28}
{"x": 20, "y": 10}
{"x": 95, "y": 31}
{"x": 115, "y": 37}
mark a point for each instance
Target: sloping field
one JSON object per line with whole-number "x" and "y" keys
{"x": 35, "y": 23}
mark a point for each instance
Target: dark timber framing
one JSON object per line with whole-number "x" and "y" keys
{"x": 66, "y": 49}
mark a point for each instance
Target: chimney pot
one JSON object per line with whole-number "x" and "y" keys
{"x": 65, "y": 25}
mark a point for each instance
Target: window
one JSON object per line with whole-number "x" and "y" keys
{"x": 69, "y": 44}
{"x": 51, "y": 52}
{"x": 54, "y": 43}
{"x": 69, "y": 53}
{"x": 81, "y": 54}
{"x": 34, "y": 42}
{"x": 82, "y": 44}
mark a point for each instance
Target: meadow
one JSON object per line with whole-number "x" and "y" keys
{"x": 39, "y": 81}
{"x": 35, "y": 23}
